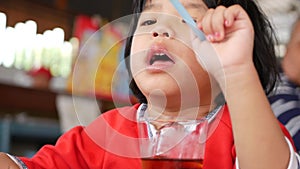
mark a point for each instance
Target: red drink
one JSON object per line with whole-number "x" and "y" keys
{"x": 165, "y": 163}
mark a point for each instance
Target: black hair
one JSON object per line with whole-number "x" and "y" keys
{"x": 264, "y": 57}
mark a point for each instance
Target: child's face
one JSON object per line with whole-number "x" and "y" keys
{"x": 161, "y": 57}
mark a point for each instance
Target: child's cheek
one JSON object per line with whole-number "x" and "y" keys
{"x": 138, "y": 44}
{"x": 138, "y": 54}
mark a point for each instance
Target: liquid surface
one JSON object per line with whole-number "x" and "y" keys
{"x": 164, "y": 163}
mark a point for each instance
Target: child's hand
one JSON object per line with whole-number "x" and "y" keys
{"x": 231, "y": 34}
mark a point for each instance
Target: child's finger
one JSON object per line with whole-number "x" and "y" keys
{"x": 229, "y": 17}
{"x": 206, "y": 24}
{"x": 235, "y": 13}
{"x": 218, "y": 23}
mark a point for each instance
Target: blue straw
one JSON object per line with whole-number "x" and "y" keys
{"x": 188, "y": 19}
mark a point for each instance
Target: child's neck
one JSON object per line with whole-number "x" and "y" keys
{"x": 172, "y": 114}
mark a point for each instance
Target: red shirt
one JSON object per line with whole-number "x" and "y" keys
{"x": 110, "y": 142}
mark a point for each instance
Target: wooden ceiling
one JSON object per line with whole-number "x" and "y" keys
{"x": 110, "y": 9}
{"x": 61, "y": 13}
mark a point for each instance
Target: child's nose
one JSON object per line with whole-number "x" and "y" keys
{"x": 165, "y": 34}
{"x": 162, "y": 31}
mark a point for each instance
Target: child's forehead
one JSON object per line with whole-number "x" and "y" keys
{"x": 186, "y": 3}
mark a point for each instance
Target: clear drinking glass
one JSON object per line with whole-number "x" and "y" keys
{"x": 172, "y": 145}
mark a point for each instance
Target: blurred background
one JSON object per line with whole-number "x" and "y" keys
{"x": 51, "y": 53}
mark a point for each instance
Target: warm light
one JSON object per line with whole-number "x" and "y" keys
{"x": 23, "y": 48}
{"x": 48, "y": 36}
{"x": 66, "y": 49}
{"x": 9, "y": 49}
{"x": 59, "y": 36}
{"x": 20, "y": 35}
{"x": 48, "y": 48}
{"x": 31, "y": 28}
{"x": 2, "y": 34}
{"x": 2, "y": 22}
{"x": 66, "y": 59}
{"x": 75, "y": 43}
{"x": 38, "y": 50}
{"x": 20, "y": 41}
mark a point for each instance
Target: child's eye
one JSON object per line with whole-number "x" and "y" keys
{"x": 148, "y": 22}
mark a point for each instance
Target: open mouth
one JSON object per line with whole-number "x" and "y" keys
{"x": 160, "y": 58}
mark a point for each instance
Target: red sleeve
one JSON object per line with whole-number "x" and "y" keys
{"x": 98, "y": 145}
{"x": 73, "y": 150}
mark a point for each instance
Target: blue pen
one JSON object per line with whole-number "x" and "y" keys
{"x": 188, "y": 19}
